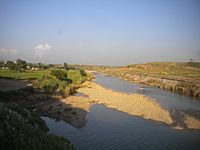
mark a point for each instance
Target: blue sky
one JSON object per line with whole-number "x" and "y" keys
{"x": 106, "y": 32}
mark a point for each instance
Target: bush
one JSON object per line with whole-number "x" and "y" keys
{"x": 50, "y": 85}
{"x": 59, "y": 74}
{"x": 62, "y": 83}
{"x": 82, "y": 72}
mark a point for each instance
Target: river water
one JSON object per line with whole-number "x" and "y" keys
{"x": 109, "y": 129}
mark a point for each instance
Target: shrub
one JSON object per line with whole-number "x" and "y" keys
{"x": 82, "y": 72}
{"x": 50, "y": 85}
{"x": 59, "y": 74}
{"x": 74, "y": 75}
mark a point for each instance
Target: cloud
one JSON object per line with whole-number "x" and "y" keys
{"x": 8, "y": 50}
{"x": 41, "y": 49}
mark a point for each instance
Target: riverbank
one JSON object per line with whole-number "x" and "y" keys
{"x": 188, "y": 88}
{"x": 25, "y": 102}
{"x": 182, "y": 78}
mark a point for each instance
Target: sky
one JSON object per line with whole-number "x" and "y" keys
{"x": 102, "y": 32}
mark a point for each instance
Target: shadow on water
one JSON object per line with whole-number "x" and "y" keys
{"x": 110, "y": 129}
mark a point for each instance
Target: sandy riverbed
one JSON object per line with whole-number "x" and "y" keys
{"x": 133, "y": 104}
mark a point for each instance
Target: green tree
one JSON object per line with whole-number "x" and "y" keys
{"x": 59, "y": 74}
{"x": 1, "y": 64}
{"x": 82, "y": 72}
{"x": 51, "y": 66}
{"x": 66, "y": 66}
{"x": 21, "y": 65}
{"x": 11, "y": 65}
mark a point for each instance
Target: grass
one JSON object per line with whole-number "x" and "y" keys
{"x": 28, "y": 75}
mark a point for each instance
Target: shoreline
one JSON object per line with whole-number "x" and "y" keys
{"x": 180, "y": 86}
{"x": 138, "y": 105}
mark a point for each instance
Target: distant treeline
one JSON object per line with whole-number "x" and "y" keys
{"x": 21, "y": 65}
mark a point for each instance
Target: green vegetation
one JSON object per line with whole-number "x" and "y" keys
{"x": 62, "y": 82}
{"x": 66, "y": 66}
{"x": 20, "y": 133}
{"x": 19, "y": 65}
{"x": 82, "y": 72}
{"x": 28, "y": 75}
{"x": 77, "y": 77}
{"x": 59, "y": 74}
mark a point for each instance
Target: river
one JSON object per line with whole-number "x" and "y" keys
{"x": 109, "y": 129}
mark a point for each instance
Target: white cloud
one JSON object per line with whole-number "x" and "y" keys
{"x": 8, "y": 50}
{"x": 41, "y": 49}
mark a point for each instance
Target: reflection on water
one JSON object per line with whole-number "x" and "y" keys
{"x": 166, "y": 98}
{"x": 109, "y": 129}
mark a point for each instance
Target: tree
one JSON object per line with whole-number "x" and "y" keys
{"x": 1, "y": 64}
{"x": 11, "y": 65}
{"x": 82, "y": 72}
{"x": 51, "y": 65}
{"x": 59, "y": 74}
{"x": 66, "y": 66}
{"x": 21, "y": 65}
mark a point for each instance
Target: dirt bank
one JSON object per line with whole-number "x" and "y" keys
{"x": 181, "y": 86}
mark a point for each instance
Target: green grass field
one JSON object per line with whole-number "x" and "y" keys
{"x": 28, "y": 75}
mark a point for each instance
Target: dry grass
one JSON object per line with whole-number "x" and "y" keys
{"x": 191, "y": 122}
